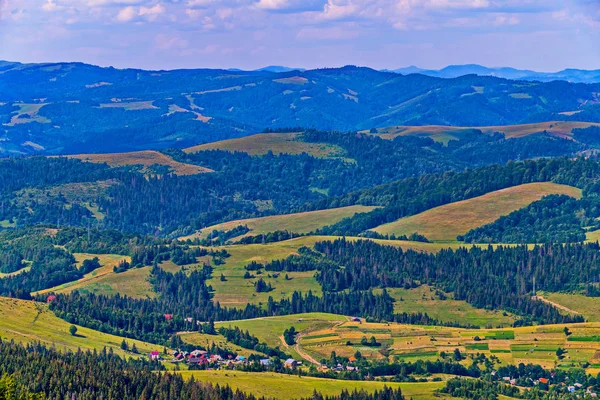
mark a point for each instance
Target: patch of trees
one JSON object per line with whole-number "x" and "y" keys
{"x": 276, "y": 236}
{"x": 246, "y": 340}
{"x": 554, "y": 218}
{"x": 289, "y": 336}
{"x": 500, "y": 278}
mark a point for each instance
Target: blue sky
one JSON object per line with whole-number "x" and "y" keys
{"x": 544, "y": 35}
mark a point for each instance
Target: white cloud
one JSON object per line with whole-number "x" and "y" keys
{"x": 127, "y": 14}
{"x": 50, "y": 5}
{"x": 130, "y": 13}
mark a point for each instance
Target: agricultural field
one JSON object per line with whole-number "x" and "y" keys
{"x": 28, "y": 113}
{"x": 145, "y": 158}
{"x": 535, "y": 344}
{"x": 28, "y": 321}
{"x": 305, "y": 222}
{"x": 280, "y": 386}
{"x": 133, "y": 283}
{"x": 442, "y": 133}
{"x": 424, "y": 299}
{"x": 278, "y": 143}
{"x": 445, "y": 223}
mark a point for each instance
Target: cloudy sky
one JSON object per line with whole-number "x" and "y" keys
{"x": 545, "y": 35}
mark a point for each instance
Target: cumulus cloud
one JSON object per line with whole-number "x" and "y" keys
{"x": 148, "y": 13}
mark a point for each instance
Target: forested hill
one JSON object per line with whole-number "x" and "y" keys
{"x": 74, "y": 107}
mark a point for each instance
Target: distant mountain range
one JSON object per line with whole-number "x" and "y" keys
{"x": 79, "y": 108}
{"x": 454, "y": 71}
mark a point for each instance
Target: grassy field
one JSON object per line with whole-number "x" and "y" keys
{"x": 299, "y": 223}
{"x": 28, "y": 113}
{"x": 535, "y": 344}
{"x": 424, "y": 299}
{"x": 280, "y": 386}
{"x": 27, "y": 321}
{"x": 133, "y": 283}
{"x": 446, "y": 222}
{"x": 589, "y": 307}
{"x": 278, "y": 143}
{"x": 442, "y": 133}
{"x": 146, "y": 158}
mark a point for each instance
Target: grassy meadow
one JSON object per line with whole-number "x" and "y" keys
{"x": 424, "y": 299}
{"x": 280, "y": 386}
{"x": 304, "y": 222}
{"x": 133, "y": 283}
{"x": 146, "y": 158}
{"x": 28, "y": 321}
{"x": 445, "y": 223}
{"x": 278, "y": 143}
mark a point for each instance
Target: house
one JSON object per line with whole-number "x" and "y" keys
{"x": 198, "y": 353}
{"x": 216, "y": 358}
{"x": 50, "y": 298}
{"x": 189, "y": 319}
{"x": 168, "y": 317}
{"x": 356, "y": 319}
{"x": 265, "y": 362}
{"x": 571, "y": 389}
{"x": 240, "y": 359}
{"x": 155, "y": 355}
{"x": 290, "y": 363}
{"x": 323, "y": 368}
{"x": 543, "y": 380}
{"x": 351, "y": 368}
{"x": 352, "y": 359}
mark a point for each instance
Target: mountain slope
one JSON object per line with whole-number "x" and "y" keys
{"x": 78, "y": 108}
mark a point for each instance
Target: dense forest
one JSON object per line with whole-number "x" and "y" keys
{"x": 66, "y": 192}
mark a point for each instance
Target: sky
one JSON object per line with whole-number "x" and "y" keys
{"x": 542, "y": 35}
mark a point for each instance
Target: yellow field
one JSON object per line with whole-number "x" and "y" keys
{"x": 281, "y": 386}
{"x": 133, "y": 283}
{"x": 442, "y": 133}
{"x": 278, "y": 143}
{"x": 27, "y": 321}
{"x": 446, "y": 222}
{"x": 146, "y": 158}
{"x": 305, "y": 222}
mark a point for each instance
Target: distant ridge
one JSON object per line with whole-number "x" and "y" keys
{"x": 455, "y": 71}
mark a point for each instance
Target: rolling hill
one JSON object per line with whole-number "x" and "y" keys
{"x": 305, "y": 222}
{"x": 28, "y": 321}
{"x": 446, "y": 222}
{"x": 146, "y": 159}
{"x": 92, "y": 109}
{"x": 563, "y": 129}
{"x": 277, "y": 143}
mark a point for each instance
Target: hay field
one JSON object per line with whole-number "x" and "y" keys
{"x": 446, "y": 222}
{"x": 145, "y": 158}
{"x": 278, "y": 143}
